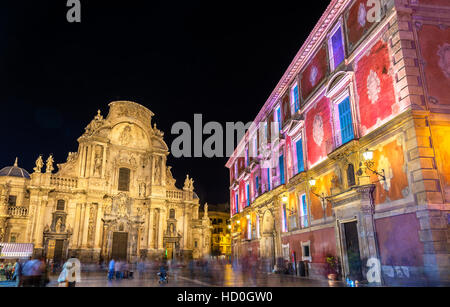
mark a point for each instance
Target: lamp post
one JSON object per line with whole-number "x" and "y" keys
{"x": 323, "y": 198}
{"x": 369, "y": 164}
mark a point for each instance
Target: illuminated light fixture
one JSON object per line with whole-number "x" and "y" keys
{"x": 238, "y": 221}
{"x": 284, "y": 199}
{"x": 248, "y": 216}
{"x": 229, "y": 226}
{"x": 312, "y": 183}
{"x": 368, "y": 155}
{"x": 370, "y": 164}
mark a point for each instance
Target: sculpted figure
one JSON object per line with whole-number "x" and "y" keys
{"x": 58, "y": 226}
{"x": 39, "y": 164}
{"x": 50, "y": 167}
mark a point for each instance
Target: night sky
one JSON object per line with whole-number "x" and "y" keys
{"x": 218, "y": 58}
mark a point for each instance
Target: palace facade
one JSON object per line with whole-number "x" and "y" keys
{"x": 348, "y": 158}
{"x": 113, "y": 198}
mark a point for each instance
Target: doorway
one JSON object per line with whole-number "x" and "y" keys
{"x": 58, "y": 253}
{"x": 353, "y": 256}
{"x": 119, "y": 246}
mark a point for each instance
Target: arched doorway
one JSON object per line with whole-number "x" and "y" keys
{"x": 267, "y": 242}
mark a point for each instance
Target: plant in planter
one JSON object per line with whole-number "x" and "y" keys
{"x": 333, "y": 267}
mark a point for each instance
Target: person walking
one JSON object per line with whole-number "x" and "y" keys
{"x": 70, "y": 274}
{"x": 17, "y": 276}
{"x": 111, "y": 269}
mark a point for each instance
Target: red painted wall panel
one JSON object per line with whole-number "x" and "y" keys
{"x": 315, "y": 72}
{"x": 318, "y": 131}
{"x": 323, "y": 243}
{"x": 375, "y": 86}
{"x": 435, "y": 48}
{"x": 357, "y": 23}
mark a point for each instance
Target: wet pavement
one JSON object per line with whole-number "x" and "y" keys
{"x": 183, "y": 278}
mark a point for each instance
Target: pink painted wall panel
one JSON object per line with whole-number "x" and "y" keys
{"x": 398, "y": 240}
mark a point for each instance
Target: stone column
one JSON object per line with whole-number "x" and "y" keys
{"x": 98, "y": 226}
{"x": 150, "y": 228}
{"x": 162, "y": 223}
{"x": 85, "y": 226}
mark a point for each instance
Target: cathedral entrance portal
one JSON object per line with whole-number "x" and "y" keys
{"x": 119, "y": 246}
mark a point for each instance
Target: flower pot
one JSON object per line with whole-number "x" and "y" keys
{"x": 332, "y": 276}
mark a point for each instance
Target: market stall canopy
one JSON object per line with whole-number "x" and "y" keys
{"x": 16, "y": 250}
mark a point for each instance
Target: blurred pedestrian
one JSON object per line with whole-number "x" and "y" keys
{"x": 111, "y": 269}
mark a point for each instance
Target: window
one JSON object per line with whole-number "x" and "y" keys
{"x": 247, "y": 193}
{"x": 284, "y": 218}
{"x": 172, "y": 214}
{"x": 246, "y": 157}
{"x": 12, "y": 200}
{"x": 351, "y": 181}
{"x": 345, "y": 121}
{"x": 278, "y": 117}
{"x": 256, "y": 185}
{"x": 249, "y": 229}
{"x": 255, "y": 146}
{"x": 336, "y": 47}
{"x": 60, "y": 205}
{"x": 268, "y": 179}
{"x": 281, "y": 169}
{"x": 299, "y": 165}
{"x": 306, "y": 251}
{"x": 124, "y": 179}
{"x": 257, "y": 227}
{"x": 295, "y": 102}
{"x": 303, "y": 211}
{"x": 195, "y": 244}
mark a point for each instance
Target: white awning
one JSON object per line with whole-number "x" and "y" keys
{"x": 16, "y": 250}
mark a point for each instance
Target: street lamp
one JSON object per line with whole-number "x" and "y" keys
{"x": 369, "y": 163}
{"x": 312, "y": 183}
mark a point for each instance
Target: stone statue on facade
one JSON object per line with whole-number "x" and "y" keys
{"x": 157, "y": 170}
{"x": 94, "y": 124}
{"x": 49, "y": 166}
{"x": 58, "y": 226}
{"x": 187, "y": 183}
{"x": 98, "y": 161}
{"x": 157, "y": 132}
{"x": 39, "y": 164}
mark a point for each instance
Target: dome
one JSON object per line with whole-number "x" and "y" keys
{"x": 14, "y": 171}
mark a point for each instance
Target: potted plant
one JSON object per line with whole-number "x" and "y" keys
{"x": 333, "y": 265}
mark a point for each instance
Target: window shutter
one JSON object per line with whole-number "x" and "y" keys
{"x": 345, "y": 119}
{"x": 300, "y": 165}
{"x": 281, "y": 165}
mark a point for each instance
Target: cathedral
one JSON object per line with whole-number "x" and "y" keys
{"x": 113, "y": 198}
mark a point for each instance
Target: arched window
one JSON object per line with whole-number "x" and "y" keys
{"x": 124, "y": 179}
{"x": 60, "y": 205}
{"x": 172, "y": 213}
{"x": 351, "y": 175}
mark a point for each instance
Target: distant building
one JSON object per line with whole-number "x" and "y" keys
{"x": 349, "y": 156}
{"x": 219, "y": 216}
{"x": 113, "y": 198}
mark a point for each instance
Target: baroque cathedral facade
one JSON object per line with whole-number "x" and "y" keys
{"x": 113, "y": 198}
